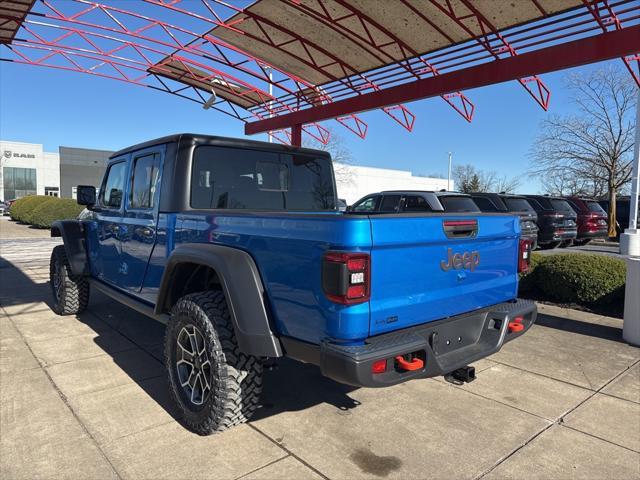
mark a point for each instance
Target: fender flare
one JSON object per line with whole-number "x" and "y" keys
{"x": 72, "y": 233}
{"x": 242, "y": 287}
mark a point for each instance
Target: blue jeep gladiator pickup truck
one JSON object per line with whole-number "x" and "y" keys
{"x": 239, "y": 247}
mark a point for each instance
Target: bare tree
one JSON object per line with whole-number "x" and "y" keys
{"x": 506, "y": 184}
{"x": 471, "y": 179}
{"x": 566, "y": 184}
{"x": 340, "y": 154}
{"x": 594, "y": 145}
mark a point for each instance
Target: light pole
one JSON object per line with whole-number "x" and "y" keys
{"x": 449, "y": 175}
{"x": 630, "y": 239}
{"x": 630, "y": 245}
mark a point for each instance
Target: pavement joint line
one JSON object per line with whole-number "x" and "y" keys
{"x": 263, "y": 466}
{"x": 114, "y": 386}
{"x": 564, "y": 425}
{"x": 301, "y": 460}
{"x": 134, "y": 342}
{"x": 560, "y": 422}
{"x": 620, "y": 398}
{"x": 66, "y": 403}
{"x": 502, "y": 403}
{"x": 545, "y": 376}
{"x": 145, "y": 429}
{"x": 45, "y": 365}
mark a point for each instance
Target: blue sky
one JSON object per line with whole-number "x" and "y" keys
{"x": 56, "y": 108}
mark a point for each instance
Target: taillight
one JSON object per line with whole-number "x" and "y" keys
{"x": 524, "y": 255}
{"x": 346, "y": 277}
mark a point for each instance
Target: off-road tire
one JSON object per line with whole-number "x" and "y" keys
{"x": 70, "y": 292}
{"x": 235, "y": 378}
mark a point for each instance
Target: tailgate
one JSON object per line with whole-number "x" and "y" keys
{"x": 420, "y": 272}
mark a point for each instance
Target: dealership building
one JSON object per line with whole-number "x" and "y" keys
{"x": 26, "y": 169}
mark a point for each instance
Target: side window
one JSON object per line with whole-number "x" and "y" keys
{"x": 574, "y": 205}
{"x": 390, "y": 203}
{"x": 367, "y": 205}
{"x": 485, "y": 204}
{"x": 535, "y": 204}
{"x": 146, "y": 170}
{"x": 415, "y": 203}
{"x": 111, "y": 195}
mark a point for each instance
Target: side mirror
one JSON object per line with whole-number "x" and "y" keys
{"x": 349, "y": 208}
{"x": 86, "y": 195}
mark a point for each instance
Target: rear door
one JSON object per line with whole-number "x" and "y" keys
{"x": 433, "y": 266}
{"x": 138, "y": 228}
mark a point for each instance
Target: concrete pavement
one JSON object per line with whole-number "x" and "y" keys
{"x": 86, "y": 397}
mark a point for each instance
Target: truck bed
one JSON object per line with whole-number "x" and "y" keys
{"x": 408, "y": 285}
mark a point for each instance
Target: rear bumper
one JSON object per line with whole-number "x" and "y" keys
{"x": 443, "y": 345}
{"x": 557, "y": 235}
{"x": 597, "y": 234}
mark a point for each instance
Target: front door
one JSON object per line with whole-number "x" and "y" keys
{"x": 107, "y": 263}
{"x": 139, "y": 223}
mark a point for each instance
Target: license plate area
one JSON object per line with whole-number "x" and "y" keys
{"x": 454, "y": 335}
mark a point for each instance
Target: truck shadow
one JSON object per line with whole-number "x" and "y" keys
{"x": 294, "y": 386}
{"x": 290, "y": 386}
{"x": 605, "y": 332}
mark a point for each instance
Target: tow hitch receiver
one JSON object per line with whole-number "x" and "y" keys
{"x": 415, "y": 364}
{"x": 462, "y": 375}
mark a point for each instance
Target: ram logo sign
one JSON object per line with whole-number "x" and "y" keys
{"x": 459, "y": 261}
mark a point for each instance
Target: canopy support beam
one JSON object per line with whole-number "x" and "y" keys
{"x": 558, "y": 57}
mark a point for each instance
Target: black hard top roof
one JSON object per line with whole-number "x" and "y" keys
{"x": 438, "y": 193}
{"x": 489, "y": 194}
{"x": 200, "y": 139}
{"x": 550, "y": 197}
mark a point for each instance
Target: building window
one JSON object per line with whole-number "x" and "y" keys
{"x": 19, "y": 182}
{"x": 74, "y": 193}
{"x": 52, "y": 191}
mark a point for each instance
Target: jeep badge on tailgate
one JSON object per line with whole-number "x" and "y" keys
{"x": 466, "y": 260}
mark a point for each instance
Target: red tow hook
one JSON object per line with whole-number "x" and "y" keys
{"x": 415, "y": 364}
{"x": 516, "y": 325}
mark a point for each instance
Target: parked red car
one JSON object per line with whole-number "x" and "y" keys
{"x": 592, "y": 219}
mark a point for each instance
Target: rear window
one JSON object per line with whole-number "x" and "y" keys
{"x": 595, "y": 207}
{"x": 561, "y": 205}
{"x": 458, "y": 204}
{"x": 518, "y": 205}
{"x": 231, "y": 178}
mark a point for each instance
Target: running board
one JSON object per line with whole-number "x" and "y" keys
{"x": 130, "y": 302}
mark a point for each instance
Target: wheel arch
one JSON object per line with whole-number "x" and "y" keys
{"x": 72, "y": 233}
{"x": 236, "y": 274}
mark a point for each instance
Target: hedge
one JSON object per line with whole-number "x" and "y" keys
{"x": 23, "y": 206}
{"x": 583, "y": 279}
{"x": 48, "y": 212}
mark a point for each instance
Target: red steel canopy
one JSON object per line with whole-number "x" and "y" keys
{"x": 285, "y": 65}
